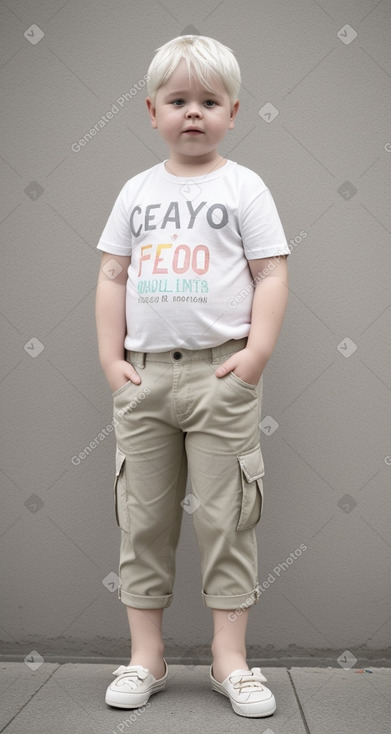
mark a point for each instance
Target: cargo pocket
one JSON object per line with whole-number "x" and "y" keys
{"x": 251, "y": 472}
{"x": 120, "y": 493}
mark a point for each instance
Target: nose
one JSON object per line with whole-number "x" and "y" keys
{"x": 194, "y": 110}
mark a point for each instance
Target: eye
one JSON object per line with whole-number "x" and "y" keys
{"x": 210, "y": 103}
{"x": 178, "y": 102}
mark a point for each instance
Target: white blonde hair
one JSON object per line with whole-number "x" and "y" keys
{"x": 205, "y": 57}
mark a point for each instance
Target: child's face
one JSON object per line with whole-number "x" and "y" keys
{"x": 183, "y": 103}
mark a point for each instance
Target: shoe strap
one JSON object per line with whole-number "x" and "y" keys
{"x": 249, "y": 679}
{"x": 132, "y": 671}
{"x": 255, "y": 673}
{"x": 259, "y": 675}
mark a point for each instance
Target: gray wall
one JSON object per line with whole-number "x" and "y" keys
{"x": 325, "y": 157}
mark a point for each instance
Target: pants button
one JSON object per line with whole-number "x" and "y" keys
{"x": 177, "y": 355}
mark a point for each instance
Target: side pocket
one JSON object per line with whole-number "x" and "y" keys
{"x": 251, "y": 471}
{"x": 119, "y": 490}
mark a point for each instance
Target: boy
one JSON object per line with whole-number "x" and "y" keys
{"x": 191, "y": 297}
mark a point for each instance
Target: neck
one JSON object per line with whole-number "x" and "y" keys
{"x": 194, "y": 168}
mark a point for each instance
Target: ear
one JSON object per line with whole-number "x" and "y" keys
{"x": 152, "y": 112}
{"x": 234, "y": 112}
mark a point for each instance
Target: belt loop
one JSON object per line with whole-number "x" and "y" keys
{"x": 216, "y": 351}
{"x": 223, "y": 350}
{"x": 137, "y": 359}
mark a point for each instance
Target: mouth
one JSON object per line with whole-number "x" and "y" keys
{"x": 193, "y": 131}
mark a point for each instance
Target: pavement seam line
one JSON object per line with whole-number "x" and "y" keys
{"x": 30, "y": 699}
{"x": 304, "y": 720}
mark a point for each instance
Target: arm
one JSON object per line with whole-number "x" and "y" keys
{"x": 111, "y": 323}
{"x": 268, "y": 310}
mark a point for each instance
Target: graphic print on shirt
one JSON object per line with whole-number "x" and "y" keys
{"x": 177, "y": 266}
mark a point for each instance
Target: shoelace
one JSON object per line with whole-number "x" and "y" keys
{"x": 251, "y": 680}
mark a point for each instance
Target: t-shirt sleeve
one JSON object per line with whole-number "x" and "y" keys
{"x": 260, "y": 225}
{"x": 116, "y": 237}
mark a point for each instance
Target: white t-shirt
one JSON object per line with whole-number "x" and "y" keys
{"x": 189, "y": 283}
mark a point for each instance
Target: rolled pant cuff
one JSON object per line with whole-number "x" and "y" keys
{"x": 144, "y": 602}
{"x": 241, "y": 601}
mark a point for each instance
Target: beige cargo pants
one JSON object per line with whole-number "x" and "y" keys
{"x": 183, "y": 418}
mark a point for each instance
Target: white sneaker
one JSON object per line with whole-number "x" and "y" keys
{"x": 247, "y": 694}
{"x": 133, "y": 686}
